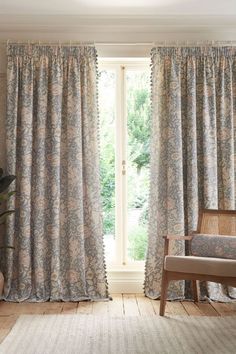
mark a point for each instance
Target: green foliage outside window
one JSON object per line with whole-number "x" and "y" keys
{"x": 139, "y": 127}
{"x": 138, "y": 243}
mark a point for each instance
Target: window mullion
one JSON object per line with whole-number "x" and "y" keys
{"x": 119, "y": 170}
{"x": 124, "y": 166}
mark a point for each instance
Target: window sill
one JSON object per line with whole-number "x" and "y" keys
{"x": 125, "y": 269}
{"x": 125, "y": 279}
{"x": 136, "y": 267}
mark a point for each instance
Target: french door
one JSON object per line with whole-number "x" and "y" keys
{"x": 124, "y": 105}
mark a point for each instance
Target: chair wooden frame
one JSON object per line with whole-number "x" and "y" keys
{"x": 203, "y": 226}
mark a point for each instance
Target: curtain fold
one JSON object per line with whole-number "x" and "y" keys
{"x": 192, "y": 150}
{"x": 52, "y": 147}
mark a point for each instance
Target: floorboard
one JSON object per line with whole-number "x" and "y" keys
{"x": 69, "y": 307}
{"x": 224, "y": 309}
{"x": 207, "y": 309}
{"x": 116, "y": 307}
{"x": 175, "y": 308}
{"x": 156, "y": 306}
{"x": 130, "y": 305}
{"x": 144, "y": 305}
{"x": 100, "y": 308}
{"x": 191, "y": 308}
{"x": 85, "y": 307}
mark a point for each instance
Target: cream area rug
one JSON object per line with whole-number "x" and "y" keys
{"x": 89, "y": 334}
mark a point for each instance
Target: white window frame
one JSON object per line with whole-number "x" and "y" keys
{"x": 122, "y": 264}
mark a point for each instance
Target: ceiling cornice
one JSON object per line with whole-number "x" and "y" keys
{"x": 146, "y": 23}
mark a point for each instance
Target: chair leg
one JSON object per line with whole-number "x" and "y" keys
{"x": 164, "y": 287}
{"x": 195, "y": 286}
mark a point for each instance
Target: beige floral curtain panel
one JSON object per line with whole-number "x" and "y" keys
{"x": 192, "y": 152}
{"x": 52, "y": 147}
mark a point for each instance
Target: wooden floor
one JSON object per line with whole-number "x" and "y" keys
{"x": 121, "y": 305}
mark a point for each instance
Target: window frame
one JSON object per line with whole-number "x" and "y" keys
{"x": 119, "y": 66}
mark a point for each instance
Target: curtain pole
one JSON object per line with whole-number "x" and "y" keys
{"x": 76, "y": 43}
{"x": 176, "y": 43}
{"x": 188, "y": 43}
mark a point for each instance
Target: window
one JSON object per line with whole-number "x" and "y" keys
{"x": 124, "y": 103}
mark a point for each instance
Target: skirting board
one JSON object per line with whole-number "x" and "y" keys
{"x": 125, "y": 281}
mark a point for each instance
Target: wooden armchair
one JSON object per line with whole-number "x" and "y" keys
{"x": 212, "y": 254}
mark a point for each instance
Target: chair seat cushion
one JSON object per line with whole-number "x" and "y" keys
{"x": 201, "y": 265}
{"x": 216, "y": 246}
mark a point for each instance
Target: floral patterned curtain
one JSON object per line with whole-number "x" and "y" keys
{"x": 52, "y": 147}
{"x": 192, "y": 152}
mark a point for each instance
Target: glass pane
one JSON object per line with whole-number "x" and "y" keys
{"x": 107, "y": 82}
{"x": 138, "y": 126}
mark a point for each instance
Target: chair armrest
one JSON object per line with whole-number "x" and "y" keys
{"x": 169, "y": 238}
{"x": 174, "y": 237}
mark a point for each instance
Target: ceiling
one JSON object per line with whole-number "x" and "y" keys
{"x": 120, "y": 7}
{"x": 120, "y": 21}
